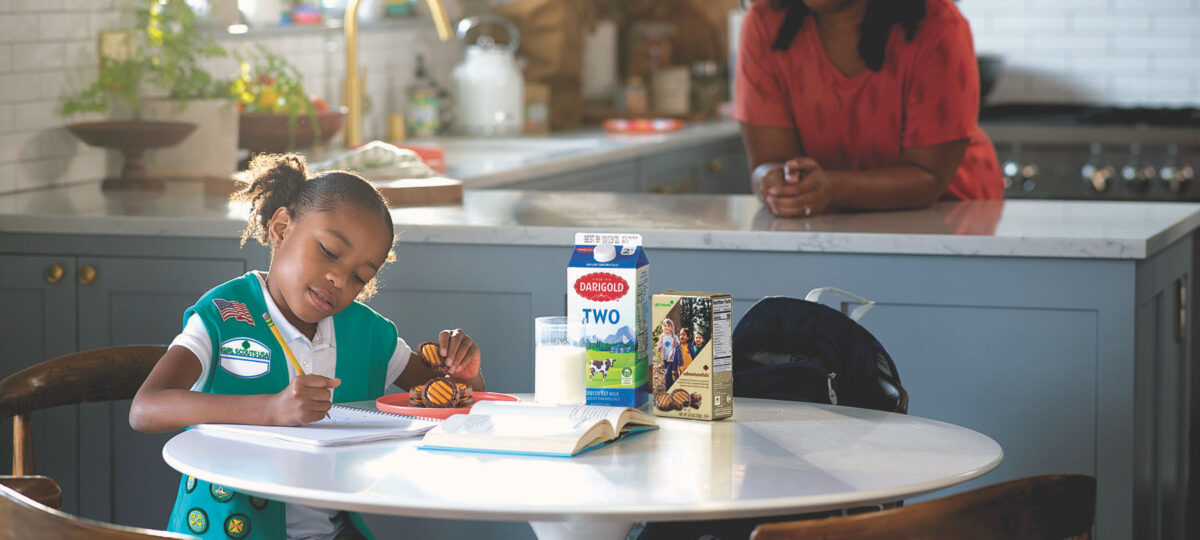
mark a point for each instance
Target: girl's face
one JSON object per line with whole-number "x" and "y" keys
{"x": 323, "y": 260}
{"x": 683, "y": 335}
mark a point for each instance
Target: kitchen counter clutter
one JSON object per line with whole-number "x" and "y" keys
{"x": 1058, "y": 328}
{"x": 1020, "y": 228}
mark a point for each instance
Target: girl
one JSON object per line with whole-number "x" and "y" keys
{"x": 329, "y": 236}
{"x": 668, "y": 343}
{"x": 685, "y": 349}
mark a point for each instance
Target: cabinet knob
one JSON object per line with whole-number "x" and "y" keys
{"x": 715, "y": 165}
{"x": 87, "y": 274}
{"x": 54, "y": 273}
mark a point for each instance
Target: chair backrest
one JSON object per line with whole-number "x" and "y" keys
{"x": 107, "y": 374}
{"x": 792, "y": 349}
{"x": 22, "y": 518}
{"x": 1040, "y": 507}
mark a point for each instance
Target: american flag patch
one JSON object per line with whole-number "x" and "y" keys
{"x": 234, "y": 310}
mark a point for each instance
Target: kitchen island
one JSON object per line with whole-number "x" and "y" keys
{"x": 1059, "y": 329}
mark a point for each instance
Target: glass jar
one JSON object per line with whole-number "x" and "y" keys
{"x": 708, "y": 87}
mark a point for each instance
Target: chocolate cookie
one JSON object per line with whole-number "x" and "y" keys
{"x": 681, "y": 398}
{"x": 696, "y": 397}
{"x": 432, "y": 357}
{"x": 415, "y": 398}
{"x": 466, "y": 395}
{"x": 663, "y": 402}
{"x": 441, "y": 393}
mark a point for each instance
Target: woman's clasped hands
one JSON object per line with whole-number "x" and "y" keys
{"x": 800, "y": 188}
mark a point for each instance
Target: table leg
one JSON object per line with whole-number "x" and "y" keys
{"x": 580, "y": 530}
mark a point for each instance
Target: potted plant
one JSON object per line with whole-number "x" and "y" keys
{"x": 163, "y": 79}
{"x": 277, "y": 115}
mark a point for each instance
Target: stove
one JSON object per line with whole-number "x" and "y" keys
{"x": 1051, "y": 151}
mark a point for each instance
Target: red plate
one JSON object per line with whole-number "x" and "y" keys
{"x": 398, "y": 403}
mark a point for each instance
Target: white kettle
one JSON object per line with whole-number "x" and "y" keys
{"x": 489, "y": 91}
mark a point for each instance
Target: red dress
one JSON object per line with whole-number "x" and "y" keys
{"x": 926, "y": 93}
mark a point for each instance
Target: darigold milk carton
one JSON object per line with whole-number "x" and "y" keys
{"x": 607, "y": 282}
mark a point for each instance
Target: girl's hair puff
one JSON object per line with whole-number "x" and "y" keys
{"x": 282, "y": 181}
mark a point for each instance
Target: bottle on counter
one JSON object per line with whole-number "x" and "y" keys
{"x": 422, "y": 113}
{"x": 708, "y": 87}
{"x": 637, "y": 99}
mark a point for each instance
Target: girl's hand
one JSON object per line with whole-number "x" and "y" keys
{"x": 803, "y": 189}
{"x": 462, "y": 354}
{"x": 306, "y": 399}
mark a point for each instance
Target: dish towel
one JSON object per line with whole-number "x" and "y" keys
{"x": 378, "y": 160}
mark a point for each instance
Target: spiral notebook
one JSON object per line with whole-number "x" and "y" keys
{"x": 344, "y": 425}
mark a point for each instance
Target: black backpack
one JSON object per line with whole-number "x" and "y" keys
{"x": 800, "y": 350}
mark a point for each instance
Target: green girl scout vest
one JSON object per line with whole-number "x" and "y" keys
{"x": 247, "y": 359}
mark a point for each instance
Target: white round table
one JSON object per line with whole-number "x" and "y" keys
{"x": 771, "y": 458}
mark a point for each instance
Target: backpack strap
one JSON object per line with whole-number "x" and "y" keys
{"x": 855, "y": 314}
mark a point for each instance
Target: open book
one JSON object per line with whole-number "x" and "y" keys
{"x": 510, "y": 427}
{"x": 344, "y": 425}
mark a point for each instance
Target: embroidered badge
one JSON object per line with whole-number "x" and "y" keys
{"x": 233, "y": 310}
{"x": 237, "y": 526}
{"x": 258, "y": 502}
{"x": 197, "y": 521}
{"x": 245, "y": 358}
{"x": 190, "y": 486}
{"x": 220, "y": 493}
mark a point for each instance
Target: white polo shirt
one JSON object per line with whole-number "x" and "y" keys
{"x": 317, "y": 356}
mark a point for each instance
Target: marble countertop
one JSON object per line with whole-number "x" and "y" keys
{"x": 488, "y": 162}
{"x": 1017, "y": 228}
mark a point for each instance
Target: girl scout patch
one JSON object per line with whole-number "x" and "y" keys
{"x": 245, "y": 358}
{"x": 197, "y": 521}
{"x": 237, "y": 526}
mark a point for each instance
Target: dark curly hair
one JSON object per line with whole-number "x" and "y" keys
{"x": 877, "y": 24}
{"x": 282, "y": 181}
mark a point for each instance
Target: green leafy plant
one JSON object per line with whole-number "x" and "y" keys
{"x": 169, "y": 46}
{"x": 270, "y": 84}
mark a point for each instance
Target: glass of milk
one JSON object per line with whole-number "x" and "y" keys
{"x": 560, "y": 360}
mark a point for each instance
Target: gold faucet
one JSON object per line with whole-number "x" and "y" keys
{"x": 352, "y": 85}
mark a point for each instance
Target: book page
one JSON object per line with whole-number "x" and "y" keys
{"x": 613, "y": 415}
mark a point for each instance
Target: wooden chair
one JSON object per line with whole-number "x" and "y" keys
{"x": 22, "y": 517}
{"x": 107, "y": 374}
{"x": 1038, "y": 507}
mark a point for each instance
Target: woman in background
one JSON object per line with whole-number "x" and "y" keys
{"x": 861, "y": 104}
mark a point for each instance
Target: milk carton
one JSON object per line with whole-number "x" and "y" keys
{"x": 691, "y": 360}
{"x": 607, "y": 280}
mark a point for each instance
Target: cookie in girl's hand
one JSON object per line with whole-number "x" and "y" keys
{"x": 431, "y": 355}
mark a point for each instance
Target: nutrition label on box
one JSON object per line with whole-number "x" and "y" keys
{"x": 722, "y": 334}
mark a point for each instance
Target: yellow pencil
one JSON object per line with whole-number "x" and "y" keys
{"x": 286, "y": 350}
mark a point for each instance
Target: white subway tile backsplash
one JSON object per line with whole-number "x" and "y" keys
{"x": 1155, "y": 41}
{"x": 1074, "y": 43}
{"x": 20, "y": 146}
{"x": 8, "y": 180}
{"x": 69, "y": 25}
{"x": 27, "y": 6}
{"x": 18, "y": 28}
{"x": 37, "y": 56}
{"x": 5, "y": 58}
{"x": 1106, "y": 23}
{"x": 1027, "y": 23}
{"x": 80, "y": 54}
{"x": 19, "y": 87}
{"x": 6, "y": 118}
{"x": 37, "y": 115}
{"x": 1125, "y": 62}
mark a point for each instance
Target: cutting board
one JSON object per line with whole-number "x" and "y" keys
{"x": 411, "y": 192}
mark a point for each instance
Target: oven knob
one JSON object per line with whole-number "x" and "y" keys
{"x": 1137, "y": 176}
{"x": 1176, "y": 178}
{"x": 1098, "y": 177}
